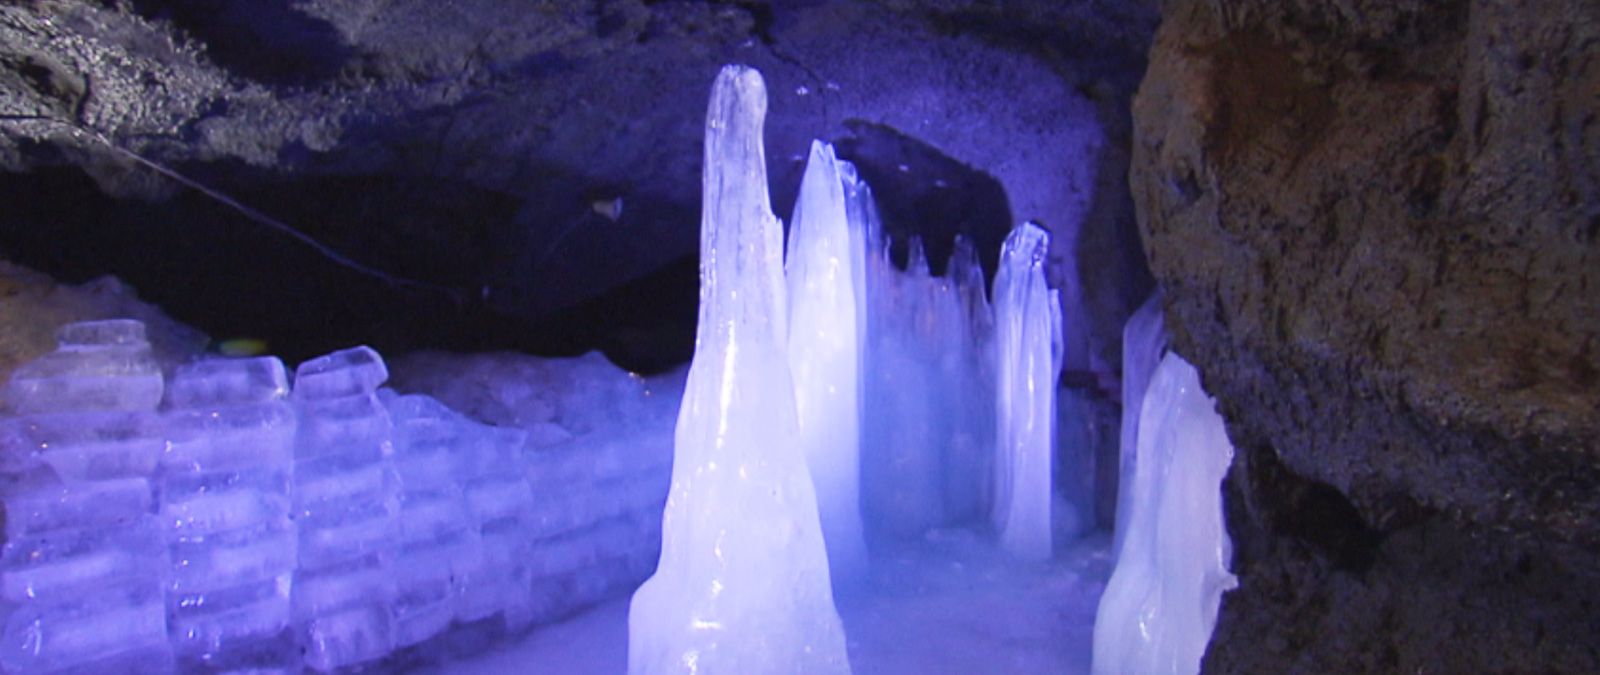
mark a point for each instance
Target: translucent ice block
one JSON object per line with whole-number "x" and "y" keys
{"x": 234, "y": 558}
{"x": 69, "y": 564}
{"x": 198, "y": 504}
{"x": 88, "y": 446}
{"x": 348, "y": 637}
{"x": 347, "y": 372}
{"x": 99, "y": 366}
{"x": 47, "y": 637}
{"x": 228, "y": 382}
{"x": 211, "y": 624}
{"x": 339, "y": 536}
{"x": 342, "y": 425}
{"x": 210, "y": 439}
{"x": 104, "y": 333}
{"x": 45, "y": 508}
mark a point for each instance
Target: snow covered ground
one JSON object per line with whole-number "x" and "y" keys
{"x": 950, "y": 605}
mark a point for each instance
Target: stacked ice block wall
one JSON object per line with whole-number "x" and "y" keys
{"x": 346, "y": 503}
{"x": 223, "y": 493}
{"x": 84, "y": 558}
{"x": 441, "y": 554}
{"x": 245, "y": 528}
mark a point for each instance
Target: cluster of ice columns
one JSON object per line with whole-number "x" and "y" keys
{"x": 813, "y": 379}
{"x": 837, "y": 388}
{"x": 222, "y": 522}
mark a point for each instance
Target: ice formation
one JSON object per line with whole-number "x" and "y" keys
{"x": 224, "y": 498}
{"x": 84, "y": 555}
{"x": 346, "y": 508}
{"x": 254, "y": 529}
{"x": 1160, "y": 606}
{"x": 823, "y": 272}
{"x": 928, "y": 420}
{"x": 743, "y": 584}
{"x": 1028, "y": 358}
{"x": 1144, "y": 339}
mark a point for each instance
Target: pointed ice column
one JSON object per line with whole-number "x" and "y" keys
{"x": 825, "y": 355}
{"x": 1144, "y": 337}
{"x": 742, "y": 586}
{"x": 969, "y": 463}
{"x": 1028, "y": 365}
{"x": 907, "y": 425}
{"x": 1160, "y": 605}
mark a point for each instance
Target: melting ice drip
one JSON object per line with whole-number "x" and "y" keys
{"x": 247, "y": 527}
{"x": 1160, "y": 606}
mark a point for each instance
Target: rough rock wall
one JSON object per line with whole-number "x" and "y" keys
{"x": 482, "y": 147}
{"x": 1376, "y": 223}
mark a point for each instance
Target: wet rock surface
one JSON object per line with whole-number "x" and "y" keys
{"x": 1376, "y": 225}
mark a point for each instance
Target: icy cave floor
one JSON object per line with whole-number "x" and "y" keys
{"x": 952, "y": 604}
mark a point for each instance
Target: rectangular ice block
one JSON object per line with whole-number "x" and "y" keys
{"x": 347, "y": 372}
{"x": 216, "y": 383}
{"x": 42, "y": 509}
{"x": 226, "y": 438}
{"x": 88, "y": 446}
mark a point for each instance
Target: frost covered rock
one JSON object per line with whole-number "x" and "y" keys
{"x": 742, "y": 586}
{"x": 1160, "y": 605}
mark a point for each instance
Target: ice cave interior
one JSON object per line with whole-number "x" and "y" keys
{"x": 799, "y": 336}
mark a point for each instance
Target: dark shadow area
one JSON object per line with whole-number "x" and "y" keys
{"x": 211, "y": 267}
{"x": 270, "y": 41}
{"x": 922, "y": 192}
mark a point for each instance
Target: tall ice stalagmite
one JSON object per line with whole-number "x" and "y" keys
{"x": 1029, "y": 350}
{"x": 742, "y": 587}
{"x": 825, "y": 353}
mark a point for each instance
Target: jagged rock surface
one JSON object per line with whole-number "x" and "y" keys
{"x": 482, "y": 150}
{"x": 1376, "y": 224}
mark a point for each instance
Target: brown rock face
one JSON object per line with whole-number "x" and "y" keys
{"x": 1376, "y": 223}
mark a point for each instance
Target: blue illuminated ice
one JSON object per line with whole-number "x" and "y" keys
{"x": 906, "y": 426}
{"x": 83, "y": 559}
{"x": 224, "y": 503}
{"x": 97, "y": 366}
{"x": 1028, "y": 366}
{"x": 1160, "y": 606}
{"x": 1144, "y": 339}
{"x": 823, "y": 271}
{"x": 742, "y": 585}
{"x": 345, "y": 506}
